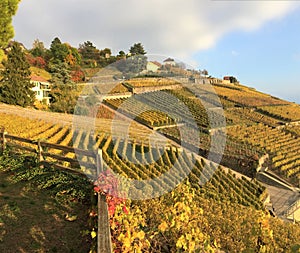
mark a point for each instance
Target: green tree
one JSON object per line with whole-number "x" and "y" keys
{"x": 60, "y": 72}
{"x": 15, "y": 86}
{"x": 137, "y": 49}
{"x": 64, "y": 97}
{"x": 8, "y": 9}
{"x": 106, "y": 52}
{"x": 89, "y": 54}
{"x": 38, "y": 49}
{"x": 121, "y": 55}
{"x": 58, "y": 51}
{"x": 134, "y": 63}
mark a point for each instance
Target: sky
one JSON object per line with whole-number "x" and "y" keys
{"x": 256, "y": 41}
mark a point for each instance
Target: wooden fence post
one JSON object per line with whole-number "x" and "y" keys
{"x": 99, "y": 162}
{"x": 40, "y": 153}
{"x": 103, "y": 233}
{"x": 3, "y": 140}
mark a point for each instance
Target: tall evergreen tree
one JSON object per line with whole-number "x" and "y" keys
{"x": 8, "y": 8}
{"x": 58, "y": 51}
{"x": 15, "y": 86}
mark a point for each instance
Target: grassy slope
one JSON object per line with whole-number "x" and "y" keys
{"x": 40, "y": 72}
{"x": 31, "y": 220}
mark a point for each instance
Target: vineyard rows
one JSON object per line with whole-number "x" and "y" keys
{"x": 241, "y": 156}
{"x": 254, "y": 116}
{"x": 136, "y": 161}
{"x": 248, "y": 97}
{"x": 142, "y": 112}
{"x": 148, "y": 82}
{"x": 295, "y": 130}
{"x": 161, "y": 108}
{"x": 281, "y": 145}
{"x": 284, "y": 112}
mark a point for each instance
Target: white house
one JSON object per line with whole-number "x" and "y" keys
{"x": 41, "y": 88}
{"x": 153, "y": 66}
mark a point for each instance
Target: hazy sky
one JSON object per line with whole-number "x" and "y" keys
{"x": 257, "y": 41}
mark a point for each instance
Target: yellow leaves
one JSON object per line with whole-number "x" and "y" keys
{"x": 127, "y": 243}
{"x": 113, "y": 225}
{"x": 139, "y": 235}
{"x": 271, "y": 233}
{"x": 181, "y": 243}
{"x": 191, "y": 241}
{"x": 130, "y": 233}
{"x": 93, "y": 234}
{"x": 163, "y": 226}
{"x": 179, "y": 206}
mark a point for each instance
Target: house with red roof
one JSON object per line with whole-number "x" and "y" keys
{"x": 41, "y": 88}
{"x": 153, "y": 66}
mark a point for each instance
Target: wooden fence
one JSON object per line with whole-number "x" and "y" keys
{"x": 54, "y": 155}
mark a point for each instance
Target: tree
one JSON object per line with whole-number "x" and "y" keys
{"x": 135, "y": 63}
{"x": 121, "y": 55}
{"x": 38, "y": 49}
{"x": 58, "y": 51}
{"x": 64, "y": 97}
{"x": 106, "y": 52}
{"x": 15, "y": 86}
{"x": 8, "y": 8}
{"x": 89, "y": 54}
{"x": 73, "y": 57}
{"x": 60, "y": 72}
{"x": 204, "y": 72}
{"x": 64, "y": 58}
{"x": 137, "y": 49}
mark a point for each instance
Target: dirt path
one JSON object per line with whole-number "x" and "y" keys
{"x": 281, "y": 199}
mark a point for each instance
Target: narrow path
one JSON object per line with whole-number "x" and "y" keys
{"x": 281, "y": 199}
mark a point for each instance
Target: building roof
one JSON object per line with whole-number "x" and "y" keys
{"x": 168, "y": 59}
{"x": 37, "y": 78}
{"x": 156, "y": 63}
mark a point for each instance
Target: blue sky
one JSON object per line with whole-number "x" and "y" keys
{"x": 267, "y": 59}
{"x": 257, "y": 41}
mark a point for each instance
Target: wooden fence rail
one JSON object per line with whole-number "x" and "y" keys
{"x": 45, "y": 150}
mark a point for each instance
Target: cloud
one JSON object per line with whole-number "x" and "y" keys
{"x": 170, "y": 27}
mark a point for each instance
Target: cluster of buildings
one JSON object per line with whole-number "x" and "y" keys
{"x": 42, "y": 86}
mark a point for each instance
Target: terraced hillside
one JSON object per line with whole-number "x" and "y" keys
{"x": 145, "y": 161}
{"x": 152, "y": 166}
{"x": 203, "y": 109}
{"x": 282, "y": 146}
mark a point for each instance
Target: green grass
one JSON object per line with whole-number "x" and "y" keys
{"x": 40, "y": 72}
{"x": 33, "y": 209}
